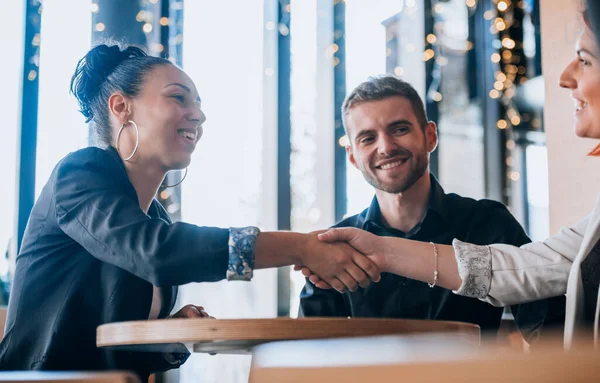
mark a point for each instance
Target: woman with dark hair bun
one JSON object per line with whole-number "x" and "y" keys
{"x": 99, "y": 248}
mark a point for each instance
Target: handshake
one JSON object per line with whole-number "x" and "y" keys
{"x": 342, "y": 259}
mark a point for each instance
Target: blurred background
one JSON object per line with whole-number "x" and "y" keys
{"x": 272, "y": 75}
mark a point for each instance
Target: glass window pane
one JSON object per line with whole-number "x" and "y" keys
{"x": 537, "y": 192}
{"x": 11, "y": 40}
{"x": 461, "y": 164}
{"x": 223, "y": 54}
{"x": 305, "y": 212}
{"x": 61, "y": 128}
{"x": 366, "y": 55}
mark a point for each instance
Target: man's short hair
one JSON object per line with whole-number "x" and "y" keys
{"x": 381, "y": 87}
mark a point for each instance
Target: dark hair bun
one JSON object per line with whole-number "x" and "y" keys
{"x": 94, "y": 69}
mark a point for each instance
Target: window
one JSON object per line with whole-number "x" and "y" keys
{"x": 11, "y": 39}
{"x": 61, "y": 128}
{"x": 223, "y": 54}
{"x": 460, "y": 128}
{"x": 369, "y": 53}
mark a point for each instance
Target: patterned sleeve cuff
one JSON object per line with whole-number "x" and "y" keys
{"x": 241, "y": 253}
{"x": 474, "y": 268}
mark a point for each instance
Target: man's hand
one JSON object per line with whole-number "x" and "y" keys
{"x": 191, "y": 311}
{"x": 362, "y": 241}
{"x": 338, "y": 264}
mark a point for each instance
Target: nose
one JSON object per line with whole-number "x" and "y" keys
{"x": 567, "y": 79}
{"x": 195, "y": 114}
{"x": 386, "y": 144}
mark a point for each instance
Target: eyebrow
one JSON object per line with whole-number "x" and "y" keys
{"x": 186, "y": 88}
{"x": 363, "y": 132}
{"x": 401, "y": 121}
{"x": 583, "y": 50}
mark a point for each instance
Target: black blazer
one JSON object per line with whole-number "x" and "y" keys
{"x": 89, "y": 256}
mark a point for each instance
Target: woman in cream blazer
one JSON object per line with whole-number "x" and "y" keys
{"x": 502, "y": 274}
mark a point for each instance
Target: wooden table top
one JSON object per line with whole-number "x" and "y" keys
{"x": 236, "y": 336}
{"x": 67, "y": 377}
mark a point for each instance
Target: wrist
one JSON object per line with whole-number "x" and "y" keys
{"x": 302, "y": 244}
{"x": 387, "y": 255}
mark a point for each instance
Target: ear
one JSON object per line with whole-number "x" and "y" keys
{"x": 350, "y": 154}
{"x": 119, "y": 106}
{"x": 431, "y": 136}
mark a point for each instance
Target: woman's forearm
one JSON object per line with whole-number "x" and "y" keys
{"x": 338, "y": 264}
{"x": 416, "y": 260}
{"x": 279, "y": 248}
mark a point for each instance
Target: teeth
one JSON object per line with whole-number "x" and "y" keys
{"x": 580, "y": 105}
{"x": 188, "y": 135}
{"x": 391, "y": 165}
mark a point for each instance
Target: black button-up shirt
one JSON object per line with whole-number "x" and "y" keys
{"x": 449, "y": 216}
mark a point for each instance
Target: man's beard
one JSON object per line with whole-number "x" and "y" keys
{"x": 416, "y": 171}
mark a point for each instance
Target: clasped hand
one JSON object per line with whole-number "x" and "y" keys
{"x": 343, "y": 259}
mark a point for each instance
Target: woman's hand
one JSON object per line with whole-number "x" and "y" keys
{"x": 338, "y": 264}
{"x": 191, "y": 311}
{"x": 362, "y": 241}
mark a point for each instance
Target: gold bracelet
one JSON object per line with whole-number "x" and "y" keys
{"x": 435, "y": 270}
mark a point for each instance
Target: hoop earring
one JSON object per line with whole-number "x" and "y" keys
{"x": 178, "y": 183}
{"x": 137, "y": 138}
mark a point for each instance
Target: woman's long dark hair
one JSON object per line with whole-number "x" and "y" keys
{"x": 591, "y": 16}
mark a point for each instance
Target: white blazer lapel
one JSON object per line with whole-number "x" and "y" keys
{"x": 575, "y": 299}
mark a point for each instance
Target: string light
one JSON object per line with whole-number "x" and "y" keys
{"x": 508, "y": 43}
{"x": 36, "y": 40}
{"x": 428, "y": 54}
{"x": 344, "y": 141}
{"x": 441, "y": 60}
{"x": 507, "y": 60}
{"x": 499, "y": 24}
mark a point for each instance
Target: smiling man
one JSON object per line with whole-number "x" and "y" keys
{"x": 390, "y": 143}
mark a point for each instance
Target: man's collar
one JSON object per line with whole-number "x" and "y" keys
{"x": 437, "y": 199}
{"x": 437, "y": 203}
